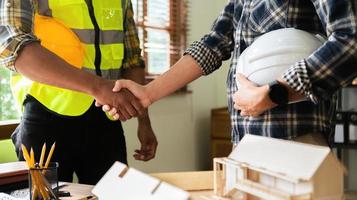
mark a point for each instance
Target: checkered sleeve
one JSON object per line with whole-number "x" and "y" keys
{"x": 298, "y": 79}
{"x": 132, "y": 50}
{"x": 15, "y": 29}
{"x": 217, "y": 45}
{"x": 204, "y": 56}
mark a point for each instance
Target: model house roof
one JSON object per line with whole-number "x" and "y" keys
{"x": 288, "y": 158}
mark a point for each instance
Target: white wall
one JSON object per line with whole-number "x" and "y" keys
{"x": 182, "y": 121}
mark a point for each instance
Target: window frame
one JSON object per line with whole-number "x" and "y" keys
{"x": 7, "y": 128}
{"x": 177, "y": 30}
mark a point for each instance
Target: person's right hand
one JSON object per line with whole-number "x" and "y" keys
{"x": 123, "y": 104}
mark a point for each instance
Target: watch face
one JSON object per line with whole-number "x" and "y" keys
{"x": 278, "y": 94}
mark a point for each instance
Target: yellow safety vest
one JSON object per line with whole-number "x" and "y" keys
{"x": 99, "y": 26}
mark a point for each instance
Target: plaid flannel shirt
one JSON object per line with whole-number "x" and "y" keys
{"x": 16, "y": 30}
{"x": 318, "y": 77}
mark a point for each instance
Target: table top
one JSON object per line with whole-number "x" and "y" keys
{"x": 201, "y": 184}
{"x": 78, "y": 191}
{"x": 83, "y": 192}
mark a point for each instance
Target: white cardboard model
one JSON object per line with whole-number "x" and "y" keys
{"x": 121, "y": 182}
{"x": 274, "y": 169}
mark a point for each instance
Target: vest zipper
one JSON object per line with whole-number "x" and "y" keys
{"x": 98, "y": 54}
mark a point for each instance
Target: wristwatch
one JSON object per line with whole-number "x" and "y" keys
{"x": 278, "y": 93}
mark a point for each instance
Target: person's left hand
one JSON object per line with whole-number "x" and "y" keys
{"x": 251, "y": 100}
{"x": 148, "y": 142}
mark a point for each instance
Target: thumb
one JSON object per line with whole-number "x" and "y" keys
{"x": 243, "y": 79}
{"x": 119, "y": 84}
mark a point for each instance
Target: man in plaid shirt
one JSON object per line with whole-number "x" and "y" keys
{"x": 317, "y": 77}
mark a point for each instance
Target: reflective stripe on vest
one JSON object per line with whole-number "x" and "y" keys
{"x": 109, "y": 14}
{"x": 75, "y": 15}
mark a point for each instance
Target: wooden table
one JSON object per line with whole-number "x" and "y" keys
{"x": 78, "y": 192}
{"x": 199, "y": 184}
{"x": 83, "y": 192}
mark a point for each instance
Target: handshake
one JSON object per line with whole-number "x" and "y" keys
{"x": 122, "y": 99}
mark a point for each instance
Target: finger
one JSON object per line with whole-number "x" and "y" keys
{"x": 116, "y": 116}
{"x": 244, "y": 113}
{"x": 150, "y": 155}
{"x": 142, "y": 152}
{"x": 139, "y": 157}
{"x": 143, "y": 157}
{"x": 106, "y": 108}
{"x": 139, "y": 154}
{"x": 242, "y": 79}
{"x": 151, "y": 151}
{"x": 237, "y": 107}
{"x": 138, "y": 107}
{"x": 112, "y": 112}
{"x": 117, "y": 86}
{"x": 123, "y": 115}
{"x": 131, "y": 111}
{"x": 120, "y": 116}
{"x": 254, "y": 114}
{"x": 97, "y": 104}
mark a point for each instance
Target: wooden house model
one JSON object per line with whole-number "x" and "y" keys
{"x": 274, "y": 169}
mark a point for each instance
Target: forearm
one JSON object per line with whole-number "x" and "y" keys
{"x": 41, "y": 65}
{"x": 179, "y": 75}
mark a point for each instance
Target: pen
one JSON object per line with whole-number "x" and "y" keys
{"x": 87, "y": 198}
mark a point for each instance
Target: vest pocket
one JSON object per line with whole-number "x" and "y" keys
{"x": 112, "y": 56}
{"x": 71, "y": 12}
{"x": 112, "y": 19}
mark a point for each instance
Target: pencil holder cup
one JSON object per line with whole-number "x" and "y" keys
{"x": 43, "y": 182}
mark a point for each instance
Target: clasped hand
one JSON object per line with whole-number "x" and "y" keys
{"x": 250, "y": 99}
{"x": 125, "y": 100}
{"x": 122, "y": 103}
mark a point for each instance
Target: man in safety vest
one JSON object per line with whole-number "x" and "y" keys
{"x": 66, "y": 56}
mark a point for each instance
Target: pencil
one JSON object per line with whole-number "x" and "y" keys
{"x": 32, "y": 157}
{"x": 30, "y": 160}
{"x": 43, "y": 152}
{"x": 50, "y": 155}
{"x": 26, "y": 155}
{"x": 27, "y": 158}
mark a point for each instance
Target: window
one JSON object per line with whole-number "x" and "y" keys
{"x": 8, "y": 107}
{"x": 162, "y": 32}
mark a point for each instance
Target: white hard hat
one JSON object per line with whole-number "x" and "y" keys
{"x": 269, "y": 56}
